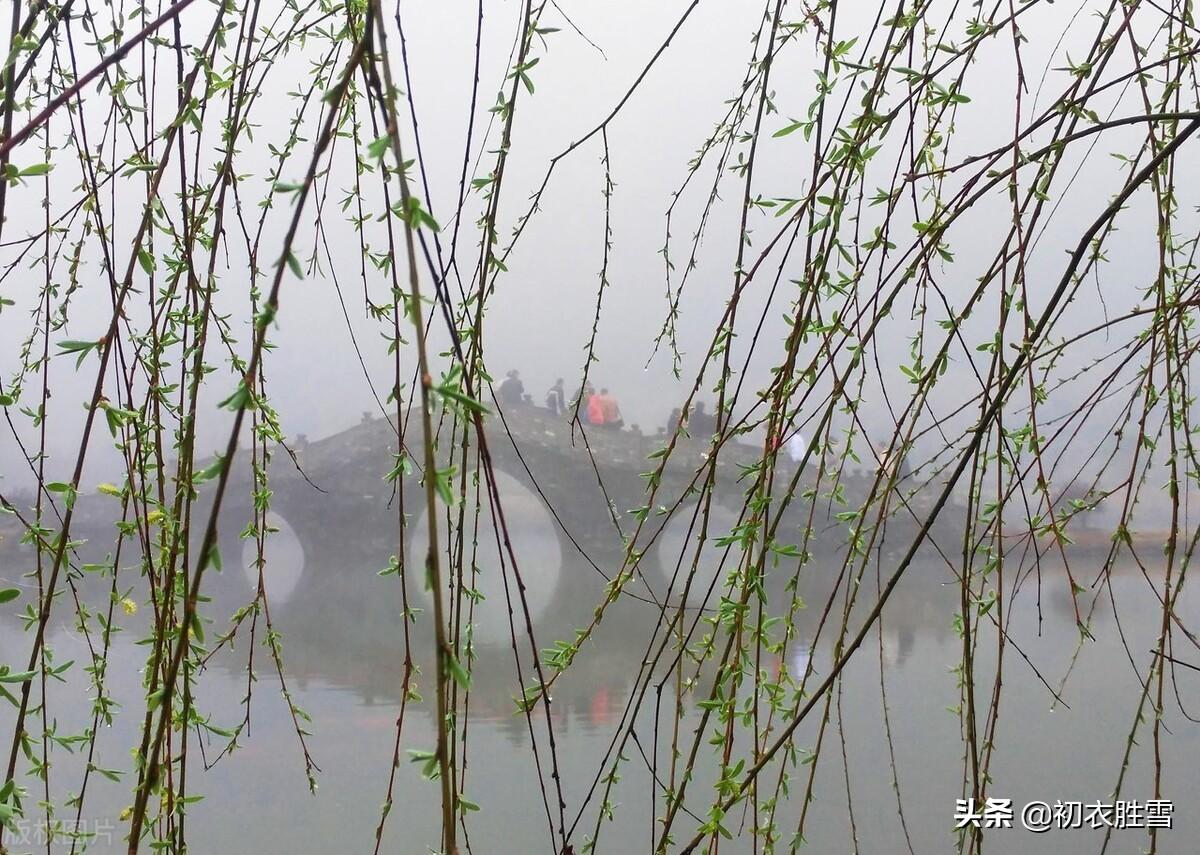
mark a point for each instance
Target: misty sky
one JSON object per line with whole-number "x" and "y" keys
{"x": 540, "y": 316}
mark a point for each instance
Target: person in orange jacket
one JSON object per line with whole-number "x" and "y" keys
{"x": 595, "y": 409}
{"x": 611, "y": 410}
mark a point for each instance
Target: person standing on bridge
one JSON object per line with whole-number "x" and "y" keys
{"x": 512, "y": 390}
{"x": 673, "y": 420}
{"x": 797, "y": 447}
{"x": 556, "y": 398}
{"x": 595, "y": 409}
{"x": 611, "y": 411}
{"x": 700, "y": 424}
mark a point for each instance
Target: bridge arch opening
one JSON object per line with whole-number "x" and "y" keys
{"x": 534, "y": 538}
{"x": 676, "y": 547}
{"x": 283, "y": 554}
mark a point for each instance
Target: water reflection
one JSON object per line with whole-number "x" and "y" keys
{"x": 343, "y": 647}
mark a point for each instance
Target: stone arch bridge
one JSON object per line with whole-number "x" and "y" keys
{"x": 338, "y": 497}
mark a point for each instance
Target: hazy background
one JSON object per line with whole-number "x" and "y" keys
{"x": 540, "y": 316}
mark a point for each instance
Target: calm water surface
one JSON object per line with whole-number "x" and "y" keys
{"x": 344, "y": 653}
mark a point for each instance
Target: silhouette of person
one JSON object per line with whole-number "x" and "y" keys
{"x": 512, "y": 390}
{"x": 556, "y": 399}
{"x": 701, "y": 424}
